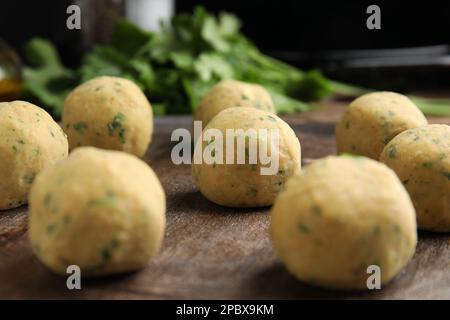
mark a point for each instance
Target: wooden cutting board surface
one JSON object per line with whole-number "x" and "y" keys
{"x": 212, "y": 252}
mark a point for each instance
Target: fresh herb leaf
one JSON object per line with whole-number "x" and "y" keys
{"x": 46, "y": 81}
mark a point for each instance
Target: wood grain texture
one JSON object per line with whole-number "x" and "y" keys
{"x": 211, "y": 252}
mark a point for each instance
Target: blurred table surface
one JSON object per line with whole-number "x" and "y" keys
{"x": 212, "y": 252}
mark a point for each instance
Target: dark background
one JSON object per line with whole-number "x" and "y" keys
{"x": 324, "y": 25}
{"x": 309, "y": 34}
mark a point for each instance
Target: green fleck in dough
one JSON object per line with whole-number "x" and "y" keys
{"x": 377, "y": 230}
{"x": 316, "y": 210}
{"x": 427, "y": 164}
{"x": 47, "y": 199}
{"x": 109, "y": 199}
{"x": 107, "y": 252}
{"x": 271, "y": 118}
{"x": 253, "y": 191}
{"x": 304, "y": 229}
{"x": 51, "y": 229}
{"x": 116, "y": 126}
{"x": 29, "y": 177}
{"x": 80, "y": 127}
{"x": 392, "y": 151}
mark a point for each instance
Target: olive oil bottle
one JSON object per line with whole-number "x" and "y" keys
{"x": 10, "y": 73}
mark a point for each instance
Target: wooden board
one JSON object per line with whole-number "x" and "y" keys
{"x": 211, "y": 252}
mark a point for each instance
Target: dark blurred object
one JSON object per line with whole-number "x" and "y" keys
{"x": 22, "y": 20}
{"x": 308, "y": 34}
{"x": 10, "y": 75}
{"x": 99, "y": 19}
{"x": 319, "y": 26}
{"x": 47, "y": 19}
{"x": 333, "y": 37}
{"x": 403, "y": 69}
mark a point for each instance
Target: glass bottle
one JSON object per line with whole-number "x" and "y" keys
{"x": 10, "y": 73}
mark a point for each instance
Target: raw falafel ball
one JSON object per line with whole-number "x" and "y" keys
{"x": 339, "y": 216}
{"x": 372, "y": 120}
{"x": 421, "y": 159}
{"x": 101, "y": 210}
{"x": 30, "y": 141}
{"x": 108, "y": 113}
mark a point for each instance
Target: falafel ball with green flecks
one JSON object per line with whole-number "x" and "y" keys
{"x": 250, "y": 159}
{"x": 372, "y": 120}
{"x": 108, "y": 113}
{"x": 340, "y": 216}
{"x": 29, "y": 141}
{"x": 233, "y": 93}
{"x": 421, "y": 159}
{"x": 101, "y": 210}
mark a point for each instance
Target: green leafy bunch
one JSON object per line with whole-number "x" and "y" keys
{"x": 175, "y": 66}
{"x": 178, "y": 64}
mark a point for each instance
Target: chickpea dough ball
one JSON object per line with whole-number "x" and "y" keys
{"x": 372, "y": 120}
{"x": 29, "y": 141}
{"x": 243, "y": 185}
{"x": 101, "y": 210}
{"x": 339, "y": 216}
{"x": 421, "y": 159}
{"x": 232, "y": 93}
{"x": 109, "y": 113}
